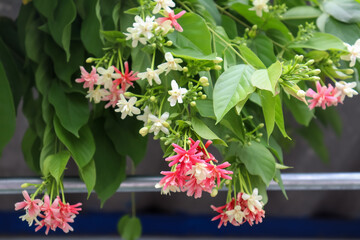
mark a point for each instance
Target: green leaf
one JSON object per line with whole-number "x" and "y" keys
{"x": 279, "y": 181}
{"x": 114, "y": 36}
{"x": 222, "y": 48}
{"x": 205, "y": 108}
{"x": 251, "y": 57}
{"x": 29, "y": 143}
{"x": 258, "y": 161}
{"x": 110, "y": 166}
{"x": 71, "y": 109}
{"x": 140, "y": 62}
{"x": 88, "y": 175}
{"x": 268, "y": 106}
{"x": 229, "y": 26}
{"x": 122, "y": 223}
{"x": 234, "y": 123}
{"x": 60, "y": 24}
{"x": 266, "y": 79}
{"x": 205, "y": 132}
{"x": 55, "y": 164}
{"x": 49, "y": 140}
{"x": 347, "y": 32}
{"x": 279, "y": 116}
{"x": 263, "y": 47}
{"x": 33, "y": 40}
{"x": 82, "y": 149}
{"x": 321, "y": 41}
{"x": 299, "y": 110}
{"x": 7, "y": 110}
{"x": 232, "y": 86}
{"x": 315, "y": 139}
{"x": 124, "y": 133}
{"x": 301, "y": 12}
{"x": 90, "y": 29}
{"x": 210, "y": 6}
{"x": 45, "y": 7}
{"x": 347, "y": 11}
{"x": 194, "y": 42}
{"x": 132, "y": 229}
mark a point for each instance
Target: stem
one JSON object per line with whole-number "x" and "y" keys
{"x": 111, "y": 60}
{"x": 121, "y": 62}
{"x": 248, "y": 178}
{"x": 232, "y": 16}
{"x": 62, "y": 192}
{"x": 38, "y": 190}
{"x": 153, "y": 60}
{"x": 161, "y": 105}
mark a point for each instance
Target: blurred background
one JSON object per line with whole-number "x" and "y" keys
{"x": 307, "y": 214}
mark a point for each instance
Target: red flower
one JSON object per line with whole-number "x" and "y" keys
{"x": 323, "y": 97}
{"x": 126, "y": 78}
{"x": 172, "y": 17}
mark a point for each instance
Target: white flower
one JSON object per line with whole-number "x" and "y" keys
{"x": 165, "y": 4}
{"x": 236, "y": 213}
{"x": 134, "y": 35}
{"x": 107, "y": 76}
{"x": 141, "y": 30}
{"x": 145, "y": 116}
{"x": 253, "y": 200}
{"x": 151, "y": 75}
{"x": 171, "y": 63}
{"x": 200, "y": 171}
{"x": 97, "y": 94}
{"x": 354, "y": 52}
{"x": 345, "y": 89}
{"x": 176, "y": 94}
{"x": 164, "y": 27}
{"x": 259, "y": 6}
{"x": 301, "y": 93}
{"x": 170, "y": 188}
{"x": 28, "y": 218}
{"x": 158, "y": 123}
{"x": 127, "y": 107}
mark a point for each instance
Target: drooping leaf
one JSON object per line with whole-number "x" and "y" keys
{"x": 204, "y": 131}
{"x": 320, "y": 41}
{"x": 301, "y": 12}
{"x": 110, "y": 166}
{"x": 205, "y": 108}
{"x": 268, "y": 107}
{"x": 279, "y": 116}
{"x": 45, "y": 7}
{"x": 55, "y": 164}
{"x": 7, "y": 110}
{"x": 232, "y": 86}
{"x": 49, "y": 144}
{"x": 266, "y": 79}
{"x": 347, "y": 32}
{"x": 71, "y": 109}
{"x": 299, "y": 110}
{"x": 88, "y": 175}
{"x": 82, "y": 149}
{"x": 258, "y": 161}
{"x": 122, "y": 223}
{"x": 251, "y": 57}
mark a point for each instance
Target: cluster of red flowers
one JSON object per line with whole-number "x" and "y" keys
{"x": 193, "y": 171}
{"x": 54, "y": 215}
{"x": 114, "y": 81}
{"x": 246, "y": 208}
{"x": 324, "y": 97}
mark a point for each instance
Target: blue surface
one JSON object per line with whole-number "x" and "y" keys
{"x": 99, "y": 223}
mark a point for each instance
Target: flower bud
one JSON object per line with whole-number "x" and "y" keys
{"x": 185, "y": 69}
{"x": 193, "y": 104}
{"x": 315, "y": 78}
{"x": 169, "y": 43}
{"x": 299, "y": 58}
{"x": 171, "y": 30}
{"x": 316, "y": 71}
{"x": 153, "y": 45}
{"x": 218, "y": 60}
{"x": 260, "y": 135}
{"x": 25, "y": 185}
{"x": 261, "y": 125}
{"x": 348, "y": 71}
{"x": 194, "y": 98}
{"x": 204, "y": 81}
{"x": 203, "y": 97}
{"x": 329, "y": 61}
{"x": 217, "y": 67}
{"x": 127, "y": 94}
{"x": 249, "y": 143}
{"x": 214, "y": 192}
{"x": 89, "y": 60}
{"x": 208, "y": 68}
{"x": 166, "y": 124}
{"x": 144, "y": 131}
{"x": 153, "y": 98}
{"x": 227, "y": 182}
{"x": 200, "y": 88}
{"x": 257, "y": 140}
{"x": 200, "y": 94}
{"x": 301, "y": 93}
{"x": 310, "y": 62}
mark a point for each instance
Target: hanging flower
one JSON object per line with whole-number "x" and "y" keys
{"x": 127, "y": 107}
{"x": 151, "y": 75}
{"x": 236, "y": 214}
{"x": 134, "y": 35}
{"x": 323, "y": 97}
{"x": 170, "y": 64}
{"x": 89, "y": 79}
{"x": 164, "y": 4}
{"x": 158, "y": 124}
{"x": 127, "y": 78}
{"x": 170, "y": 15}
{"x": 145, "y": 116}
{"x": 345, "y": 89}
{"x": 253, "y": 200}
{"x": 113, "y": 97}
{"x": 176, "y": 94}
{"x": 354, "y": 53}
{"x": 32, "y": 208}
{"x": 97, "y": 94}
{"x": 169, "y": 183}
{"x": 107, "y": 76}
{"x": 259, "y": 6}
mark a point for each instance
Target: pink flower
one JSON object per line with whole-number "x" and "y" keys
{"x": 206, "y": 155}
{"x": 89, "y": 79}
{"x": 190, "y": 156}
{"x": 219, "y": 172}
{"x": 172, "y": 17}
{"x": 126, "y": 78}
{"x": 193, "y": 188}
{"x": 67, "y": 214}
{"x": 323, "y": 97}
{"x": 51, "y": 217}
{"x": 170, "y": 182}
{"x": 32, "y": 207}
{"x": 113, "y": 97}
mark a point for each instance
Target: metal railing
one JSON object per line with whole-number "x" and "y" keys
{"x": 291, "y": 181}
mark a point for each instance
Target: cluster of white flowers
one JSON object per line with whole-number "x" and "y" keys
{"x": 354, "y": 53}
{"x": 164, "y": 4}
{"x": 345, "y": 89}
{"x": 142, "y": 31}
{"x": 127, "y": 107}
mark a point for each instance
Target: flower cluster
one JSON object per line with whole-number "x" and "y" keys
{"x": 245, "y": 208}
{"x": 330, "y": 96}
{"x": 53, "y": 215}
{"x": 193, "y": 171}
